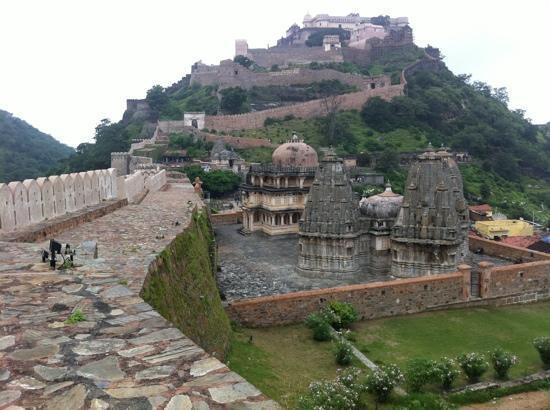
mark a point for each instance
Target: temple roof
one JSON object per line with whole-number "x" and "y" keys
{"x": 331, "y": 208}
{"x": 295, "y": 153}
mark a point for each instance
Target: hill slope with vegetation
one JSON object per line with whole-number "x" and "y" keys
{"x": 510, "y": 166}
{"x": 26, "y": 152}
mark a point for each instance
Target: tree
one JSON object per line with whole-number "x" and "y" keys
{"x": 234, "y": 100}
{"x": 330, "y": 105}
{"x": 157, "y": 98}
{"x": 388, "y": 161}
{"x": 377, "y": 114}
{"x": 485, "y": 192}
{"x": 243, "y": 60}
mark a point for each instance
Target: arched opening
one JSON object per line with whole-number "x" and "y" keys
{"x": 194, "y": 123}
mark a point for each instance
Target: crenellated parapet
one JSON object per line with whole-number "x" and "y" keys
{"x": 36, "y": 200}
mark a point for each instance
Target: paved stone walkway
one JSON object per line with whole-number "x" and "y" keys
{"x": 124, "y": 355}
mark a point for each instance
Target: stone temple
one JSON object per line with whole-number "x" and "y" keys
{"x": 273, "y": 195}
{"x": 421, "y": 233}
{"x": 329, "y": 231}
{"x": 430, "y": 234}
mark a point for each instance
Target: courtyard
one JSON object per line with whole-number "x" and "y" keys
{"x": 283, "y": 361}
{"x": 261, "y": 265}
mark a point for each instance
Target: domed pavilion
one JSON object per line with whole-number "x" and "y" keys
{"x": 274, "y": 195}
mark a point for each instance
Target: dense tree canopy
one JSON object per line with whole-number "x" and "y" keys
{"x": 25, "y": 152}
{"x": 217, "y": 182}
{"x": 234, "y": 100}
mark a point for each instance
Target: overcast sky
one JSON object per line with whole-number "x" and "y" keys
{"x": 65, "y": 65}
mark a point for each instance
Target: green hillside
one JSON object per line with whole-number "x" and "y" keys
{"x": 25, "y": 152}
{"x": 510, "y": 165}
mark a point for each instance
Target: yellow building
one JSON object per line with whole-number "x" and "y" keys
{"x": 503, "y": 228}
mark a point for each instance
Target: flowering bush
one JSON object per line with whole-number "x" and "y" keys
{"x": 502, "y": 362}
{"x": 320, "y": 326}
{"x": 340, "y": 394}
{"x": 343, "y": 352}
{"x": 446, "y": 372}
{"x": 419, "y": 372}
{"x": 382, "y": 381}
{"x": 340, "y": 314}
{"x": 542, "y": 344}
{"x": 474, "y": 365}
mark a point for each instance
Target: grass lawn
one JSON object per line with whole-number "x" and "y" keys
{"x": 450, "y": 333}
{"x": 282, "y": 361}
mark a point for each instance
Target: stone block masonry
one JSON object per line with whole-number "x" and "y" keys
{"x": 25, "y": 204}
{"x": 511, "y": 284}
{"x": 124, "y": 354}
{"x": 309, "y": 109}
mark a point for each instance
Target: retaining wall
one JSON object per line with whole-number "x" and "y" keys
{"x": 502, "y": 285}
{"x": 226, "y": 218}
{"x": 504, "y": 251}
{"x": 309, "y": 109}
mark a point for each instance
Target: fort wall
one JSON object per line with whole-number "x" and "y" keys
{"x": 230, "y": 74}
{"x": 502, "y": 285}
{"x": 31, "y": 202}
{"x": 309, "y": 109}
{"x": 283, "y": 56}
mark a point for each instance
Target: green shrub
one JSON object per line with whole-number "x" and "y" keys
{"x": 542, "y": 344}
{"x": 342, "y": 352}
{"x": 75, "y": 317}
{"x": 446, "y": 372}
{"x": 340, "y": 314}
{"x": 343, "y": 393}
{"x": 381, "y": 382}
{"x": 418, "y": 373}
{"x": 473, "y": 365}
{"x": 502, "y": 362}
{"x": 319, "y": 325}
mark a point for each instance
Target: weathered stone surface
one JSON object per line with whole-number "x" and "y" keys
{"x": 138, "y": 391}
{"x": 105, "y": 370}
{"x": 8, "y": 396}
{"x": 98, "y": 404}
{"x": 50, "y": 373}
{"x": 35, "y": 353}
{"x": 136, "y": 351}
{"x": 202, "y": 367}
{"x": 52, "y": 388}
{"x": 72, "y": 399}
{"x": 4, "y": 374}
{"x": 179, "y": 402}
{"x": 7, "y": 341}
{"x": 232, "y": 393}
{"x": 98, "y": 346}
{"x": 157, "y": 372}
{"x": 160, "y": 335}
{"x": 87, "y": 250}
{"x": 116, "y": 292}
{"x": 260, "y": 405}
{"x": 27, "y": 383}
{"x": 72, "y": 288}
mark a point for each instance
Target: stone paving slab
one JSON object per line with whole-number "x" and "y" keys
{"x": 124, "y": 355}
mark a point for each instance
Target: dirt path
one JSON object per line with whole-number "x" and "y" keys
{"x": 536, "y": 400}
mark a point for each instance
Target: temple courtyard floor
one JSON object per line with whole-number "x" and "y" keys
{"x": 262, "y": 265}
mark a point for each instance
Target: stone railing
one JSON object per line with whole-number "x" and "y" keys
{"x": 36, "y": 200}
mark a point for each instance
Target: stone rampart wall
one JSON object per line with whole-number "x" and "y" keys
{"x": 283, "y": 56}
{"x": 371, "y": 300}
{"x": 36, "y": 200}
{"x": 230, "y": 74}
{"x": 504, "y": 251}
{"x": 309, "y": 109}
{"x": 501, "y": 285}
{"x": 226, "y": 218}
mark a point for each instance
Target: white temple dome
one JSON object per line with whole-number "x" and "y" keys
{"x": 385, "y": 205}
